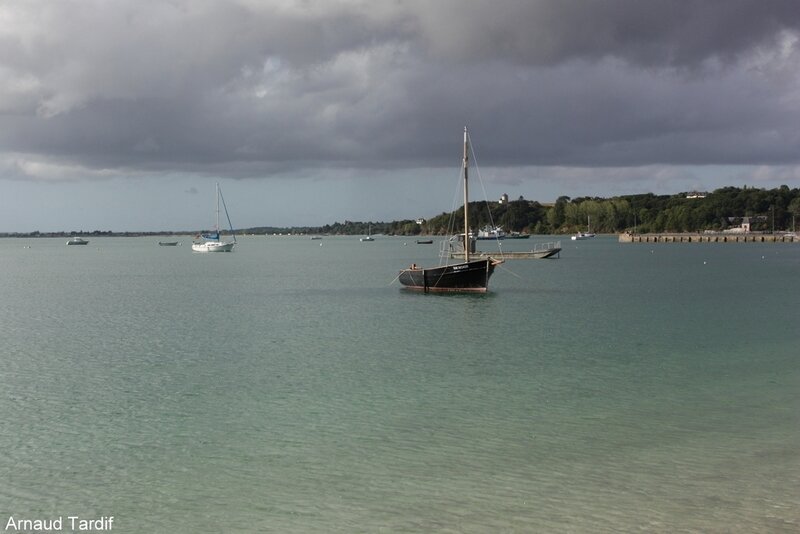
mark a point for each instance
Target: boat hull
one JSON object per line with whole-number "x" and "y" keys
{"x": 212, "y": 246}
{"x": 491, "y": 233}
{"x": 546, "y": 253}
{"x": 465, "y": 277}
{"x": 580, "y": 236}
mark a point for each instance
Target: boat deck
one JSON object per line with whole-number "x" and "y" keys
{"x": 539, "y": 252}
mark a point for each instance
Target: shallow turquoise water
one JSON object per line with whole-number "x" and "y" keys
{"x": 291, "y": 387}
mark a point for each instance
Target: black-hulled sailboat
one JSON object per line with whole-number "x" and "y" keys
{"x": 469, "y": 276}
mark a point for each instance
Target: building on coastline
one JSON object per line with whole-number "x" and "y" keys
{"x": 697, "y": 194}
{"x": 743, "y": 228}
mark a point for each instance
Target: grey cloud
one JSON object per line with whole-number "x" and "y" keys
{"x": 255, "y": 88}
{"x": 650, "y": 33}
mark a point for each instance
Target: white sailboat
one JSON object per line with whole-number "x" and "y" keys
{"x": 588, "y": 233}
{"x": 369, "y": 234}
{"x": 212, "y": 242}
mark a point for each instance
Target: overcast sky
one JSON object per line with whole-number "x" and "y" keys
{"x": 121, "y": 114}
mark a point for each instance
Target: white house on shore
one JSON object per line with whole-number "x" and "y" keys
{"x": 743, "y": 228}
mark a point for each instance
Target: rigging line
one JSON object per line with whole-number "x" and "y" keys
{"x": 485, "y": 196}
{"x": 227, "y": 216}
{"x": 480, "y": 180}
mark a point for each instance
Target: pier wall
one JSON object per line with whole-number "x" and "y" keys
{"x": 708, "y": 238}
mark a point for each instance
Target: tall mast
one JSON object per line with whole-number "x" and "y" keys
{"x": 466, "y": 200}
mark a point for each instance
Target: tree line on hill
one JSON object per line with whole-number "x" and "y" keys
{"x": 767, "y": 209}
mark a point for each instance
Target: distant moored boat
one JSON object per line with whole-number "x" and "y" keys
{"x": 584, "y": 235}
{"x": 490, "y": 232}
{"x": 369, "y": 235}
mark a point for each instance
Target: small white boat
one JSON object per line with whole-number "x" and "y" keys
{"x": 213, "y": 246}
{"x": 212, "y": 241}
{"x": 582, "y": 235}
{"x": 587, "y": 234}
{"x": 369, "y": 235}
{"x": 77, "y": 241}
{"x": 491, "y": 233}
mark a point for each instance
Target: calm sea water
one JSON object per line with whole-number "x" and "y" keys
{"x": 292, "y": 387}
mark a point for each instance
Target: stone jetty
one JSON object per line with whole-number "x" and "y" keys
{"x": 709, "y": 238}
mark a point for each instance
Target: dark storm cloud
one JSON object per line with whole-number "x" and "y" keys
{"x": 250, "y": 88}
{"x": 647, "y": 33}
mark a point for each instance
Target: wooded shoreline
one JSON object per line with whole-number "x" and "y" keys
{"x": 758, "y": 210}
